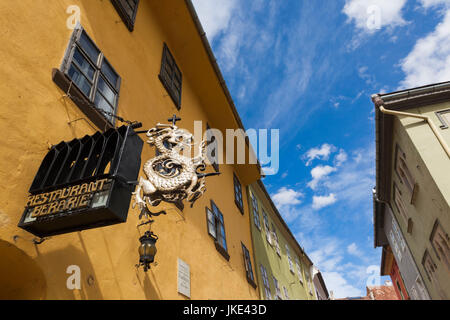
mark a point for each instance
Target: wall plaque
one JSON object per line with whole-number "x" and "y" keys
{"x": 184, "y": 278}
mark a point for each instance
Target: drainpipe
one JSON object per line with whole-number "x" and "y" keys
{"x": 380, "y": 104}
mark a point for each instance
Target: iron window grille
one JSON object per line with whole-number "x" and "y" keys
{"x": 171, "y": 76}
{"x": 256, "y": 212}
{"x": 87, "y": 68}
{"x": 238, "y": 194}
{"x": 248, "y": 266}
{"x": 127, "y": 10}
{"x": 216, "y": 229}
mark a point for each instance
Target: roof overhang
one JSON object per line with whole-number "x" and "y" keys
{"x": 384, "y": 125}
{"x": 188, "y": 43}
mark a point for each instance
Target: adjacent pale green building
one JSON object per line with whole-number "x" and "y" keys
{"x": 412, "y": 195}
{"x": 283, "y": 270}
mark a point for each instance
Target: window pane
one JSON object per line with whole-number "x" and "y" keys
{"x": 80, "y": 80}
{"x": 109, "y": 73}
{"x": 101, "y": 103}
{"x": 89, "y": 47}
{"x": 221, "y": 237}
{"x": 106, "y": 91}
{"x": 83, "y": 64}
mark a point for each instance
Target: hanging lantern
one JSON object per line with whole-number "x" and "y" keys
{"x": 147, "y": 249}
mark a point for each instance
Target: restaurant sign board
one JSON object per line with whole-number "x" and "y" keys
{"x": 85, "y": 183}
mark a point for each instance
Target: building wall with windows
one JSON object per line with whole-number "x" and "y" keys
{"x": 417, "y": 187}
{"x": 422, "y": 196}
{"x": 116, "y": 65}
{"x": 283, "y": 269}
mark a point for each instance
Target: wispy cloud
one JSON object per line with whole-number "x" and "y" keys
{"x": 320, "y": 202}
{"x": 429, "y": 61}
{"x": 318, "y": 174}
{"x": 215, "y": 15}
{"x": 322, "y": 153}
{"x": 371, "y": 16}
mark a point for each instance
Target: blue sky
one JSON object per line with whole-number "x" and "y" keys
{"x": 309, "y": 68}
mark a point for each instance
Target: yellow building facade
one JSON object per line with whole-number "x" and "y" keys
{"x": 36, "y": 113}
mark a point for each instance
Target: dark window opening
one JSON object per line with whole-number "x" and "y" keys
{"x": 127, "y": 10}
{"x": 171, "y": 77}
{"x": 248, "y": 266}
{"x": 238, "y": 194}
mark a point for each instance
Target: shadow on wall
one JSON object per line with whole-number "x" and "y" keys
{"x": 56, "y": 264}
{"x": 21, "y": 278}
{"x": 151, "y": 292}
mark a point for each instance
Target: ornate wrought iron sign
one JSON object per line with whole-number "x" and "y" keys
{"x": 85, "y": 183}
{"x": 172, "y": 176}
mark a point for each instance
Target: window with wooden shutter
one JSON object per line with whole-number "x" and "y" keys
{"x": 399, "y": 204}
{"x": 211, "y": 221}
{"x": 440, "y": 241}
{"x": 248, "y": 266}
{"x": 405, "y": 175}
{"x": 216, "y": 228}
{"x": 170, "y": 76}
{"x": 127, "y": 10}
{"x": 212, "y": 148}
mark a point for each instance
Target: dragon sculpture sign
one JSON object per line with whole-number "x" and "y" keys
{"x": 171, "y": 176}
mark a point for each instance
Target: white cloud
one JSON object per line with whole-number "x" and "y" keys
{"x": 370, "y": 16}
{"x": 286, "y": 196}
{"x": 214, "y": 15}
{"x": 354, "y": 250}
{"x": 338, "y": 284}
{"x": 320, "y": 202}
{"x": 341, "y": 158}
{"x": 431, "y": 3}
{"x": 429, "y": 61}
{"x": 322, "y": 153}
{"x": 319, "y": 173}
